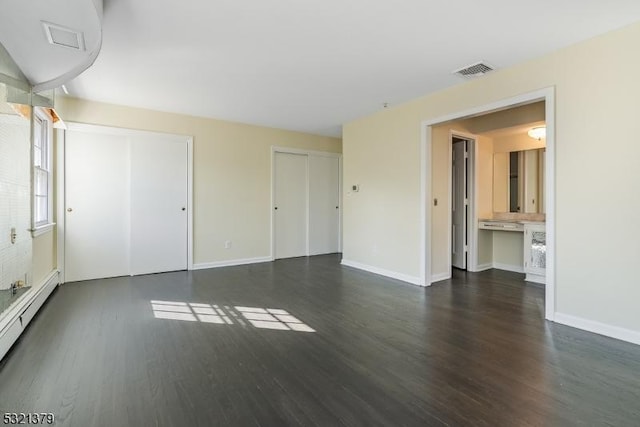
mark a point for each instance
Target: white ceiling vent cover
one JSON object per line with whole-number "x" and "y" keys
{"x": 474, "y": 70}
{"x": 60, "y": 36}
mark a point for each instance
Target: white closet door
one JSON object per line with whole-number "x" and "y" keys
{"x": 324, "y": 205}
{"x": 158, "y": 204}
{"x": 97, "y": 206}
{"x": 290, "y": 196}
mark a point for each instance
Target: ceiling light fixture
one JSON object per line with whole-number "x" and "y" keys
{"x": 538, "y": 133}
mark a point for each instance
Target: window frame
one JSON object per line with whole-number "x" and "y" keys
{"x": 42, "y": 132}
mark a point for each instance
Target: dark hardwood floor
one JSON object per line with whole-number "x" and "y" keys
{"x": 473, "y": 350}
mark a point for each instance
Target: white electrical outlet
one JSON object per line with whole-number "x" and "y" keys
{"x": 227, "y": 244}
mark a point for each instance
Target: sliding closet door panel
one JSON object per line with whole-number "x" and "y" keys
{"x": 324, "y": 204}
{"x": 158, "y": 204}
{"x": 290, "y": 196}
{"x": 97, "y": 206}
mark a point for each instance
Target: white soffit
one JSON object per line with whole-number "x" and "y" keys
{"x": 52, "y": 41}
{"x": 312, "y": 65}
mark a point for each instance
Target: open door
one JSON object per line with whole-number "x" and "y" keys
{"x": 459, "y": 204}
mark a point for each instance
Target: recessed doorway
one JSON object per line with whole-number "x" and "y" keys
{"x": 432, "y": 215}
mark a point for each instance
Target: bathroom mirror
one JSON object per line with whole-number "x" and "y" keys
{"x": 518, "y": 181}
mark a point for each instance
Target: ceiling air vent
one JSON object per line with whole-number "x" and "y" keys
{"x": 60, "y": 36}
{"x": 474, "y": 70}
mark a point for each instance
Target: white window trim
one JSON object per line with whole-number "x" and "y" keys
{"x": 43, "y": 229}
{"x": 40, "y": 229}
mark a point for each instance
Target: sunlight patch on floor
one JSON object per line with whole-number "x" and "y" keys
{"x": 261, "y": 318}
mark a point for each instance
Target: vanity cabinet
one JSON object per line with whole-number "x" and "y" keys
{"x": 535, "y": 252}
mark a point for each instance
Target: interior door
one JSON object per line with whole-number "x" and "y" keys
{"x": 459, "y": 205}
{"x": 96, "y": 206}
{"x": 158, "y": 204}
{"x": 290, "y": 207}
{"x": 324, "y": 205}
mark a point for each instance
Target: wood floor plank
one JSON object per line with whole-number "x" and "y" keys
{"x": 473, "y": 350}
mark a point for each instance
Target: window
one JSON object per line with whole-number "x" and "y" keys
{"x": 42, "y": 177}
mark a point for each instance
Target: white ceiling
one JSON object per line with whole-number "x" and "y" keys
{"x": 311, "y": 65}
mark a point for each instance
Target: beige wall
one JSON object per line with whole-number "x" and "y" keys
{"x": 484, "y": 194}
{"x": 500, "y": 182}
{"x": 508, "y": 250}
{"x": 484, "y": 176}
{"x": 232, "y": 172}
{"x": 385, "y": 170}
{"x": 596, "y": 95}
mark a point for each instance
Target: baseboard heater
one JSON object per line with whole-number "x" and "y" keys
{"x": 18, "y": 317}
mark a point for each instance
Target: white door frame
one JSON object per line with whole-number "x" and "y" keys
{"x": 60, "y": 176}
{"x": 472, "y": 220}
{"x": 547, "y": 95}
{"x": 288, "y": 150}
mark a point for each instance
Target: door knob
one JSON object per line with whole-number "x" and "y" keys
{"x": 184, "y": 209}
{"x": 69, "y": 210}
{"x": 276, "y": 208}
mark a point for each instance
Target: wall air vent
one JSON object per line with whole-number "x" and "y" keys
{"x": 474, "y": 70}
{"x": 60, "y": 36}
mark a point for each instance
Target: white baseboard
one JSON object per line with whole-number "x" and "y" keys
{"x": 440, "y": 277}
{"x": 483, "y": 267}
{"x": 535, "y": 278}
{"x": 20, "y": 314}
{"x": 509, "y": 267}
{"x": 598, "y": 328}
{"x": 381, "y": 271}
{"x": 231, "y": 262}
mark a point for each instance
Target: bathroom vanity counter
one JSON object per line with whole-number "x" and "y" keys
{"x": 501, "y": 225}
{"x": 521, "y": 249}
{"x": 509, "y": 223}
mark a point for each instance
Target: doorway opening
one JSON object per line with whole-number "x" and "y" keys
{"x": 437, "y": 238}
